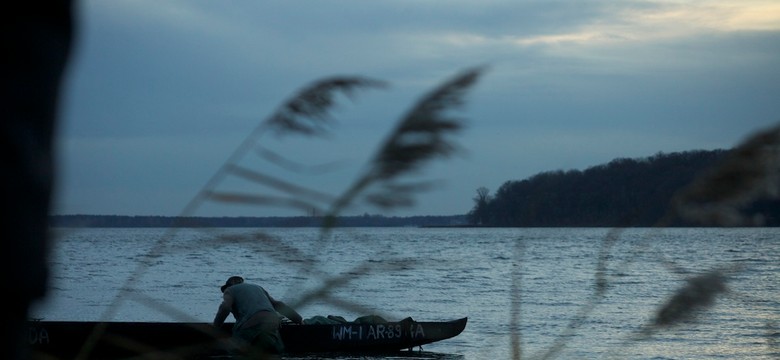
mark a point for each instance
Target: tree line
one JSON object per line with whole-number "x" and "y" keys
{"x": 365, "y": 220}
{"x": 624, "y": 192}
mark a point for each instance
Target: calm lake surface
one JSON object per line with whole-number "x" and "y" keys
{"x": 531, "y": 287}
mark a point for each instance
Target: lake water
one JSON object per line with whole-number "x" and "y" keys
{"x": 525, "y": 291}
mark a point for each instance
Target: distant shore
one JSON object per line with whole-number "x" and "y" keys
{"x": 123, "y": 221}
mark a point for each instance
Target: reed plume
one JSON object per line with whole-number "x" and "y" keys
{"x": 421, "y": 136}
{"x": 751, "y": 172}
{"x": 308, "y": 112}
{"x": 698, "y": 293}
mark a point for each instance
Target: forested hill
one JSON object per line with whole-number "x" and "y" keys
{"x": 624, "y": 192}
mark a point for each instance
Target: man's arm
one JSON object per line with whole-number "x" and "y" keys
{"x": 224, "y": 310}
{"x": 285, "y": 310}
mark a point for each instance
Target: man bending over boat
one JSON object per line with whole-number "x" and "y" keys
{"x": 257, "y": 315}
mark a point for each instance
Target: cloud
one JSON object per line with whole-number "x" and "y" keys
{"x": 667, "y": 21}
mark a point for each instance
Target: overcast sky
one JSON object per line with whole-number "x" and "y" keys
{"x": 160, "y": 93}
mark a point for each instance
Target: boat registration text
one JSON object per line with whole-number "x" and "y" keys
{"x": 375, "y": 332}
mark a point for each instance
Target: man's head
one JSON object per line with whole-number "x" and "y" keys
{"x": 233, "y": 280}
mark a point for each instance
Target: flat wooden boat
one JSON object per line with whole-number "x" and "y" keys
{"x": 113, "y": 340}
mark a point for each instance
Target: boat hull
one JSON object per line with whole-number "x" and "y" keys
{"x": 106, "y": 340}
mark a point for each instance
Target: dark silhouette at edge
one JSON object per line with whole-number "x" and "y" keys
{"x": 37, "y": 37}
